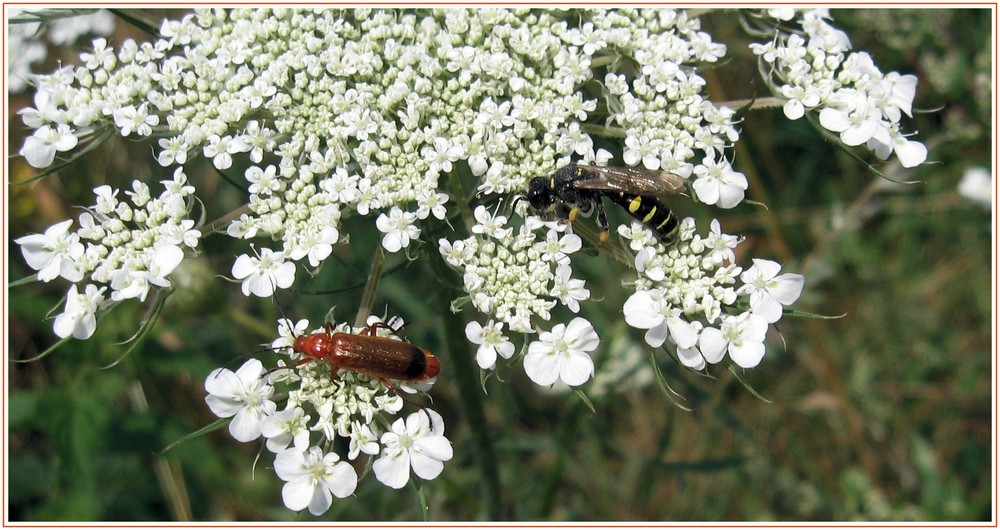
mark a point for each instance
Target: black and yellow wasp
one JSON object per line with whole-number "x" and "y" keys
{"x": 578, "y": 188}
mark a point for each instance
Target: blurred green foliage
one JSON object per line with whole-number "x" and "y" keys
{"x": 883, "y": 414}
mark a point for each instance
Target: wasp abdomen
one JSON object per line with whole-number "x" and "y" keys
{"x": 650, "y": 211}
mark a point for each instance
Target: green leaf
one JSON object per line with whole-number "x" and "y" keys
{"x": 806, "y": 314}
{"x": 23, "y": 281}
{"x": 211, "y": 427}
{"x": 661, "y": 382}
{"x": 746, "y": 384}
{"x": 146, "y": 326}
{"x": 45, "y": 353}
{"x": 586, "y": 401}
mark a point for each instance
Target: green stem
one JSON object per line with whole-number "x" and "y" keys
{"x": 758, "y": 103}
{"x": 463, "y": 202}
{"x": 224, "y": 220}
{"x": 466, "y": 376}
{"x": 371, "y": 287}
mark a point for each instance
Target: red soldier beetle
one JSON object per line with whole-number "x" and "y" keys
{"x": 383, "y": 358}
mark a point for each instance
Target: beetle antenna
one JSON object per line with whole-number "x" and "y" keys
{"x": 281, "y": 310}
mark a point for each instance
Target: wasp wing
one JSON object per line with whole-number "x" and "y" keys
{"x": 630, "y": 180}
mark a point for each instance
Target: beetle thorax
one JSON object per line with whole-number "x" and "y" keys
{"x": 317, "y": 345}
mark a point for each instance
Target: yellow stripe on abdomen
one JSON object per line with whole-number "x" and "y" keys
{"x": 635, "y": 204}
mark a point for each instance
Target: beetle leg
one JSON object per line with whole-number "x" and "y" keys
{"x": 381, "y": 325}
{"x": 401, "y": 396}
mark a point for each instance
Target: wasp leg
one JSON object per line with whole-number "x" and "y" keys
{"x": 564, "y": 212}
{"x": 602, "y": 221}
{"x": 584, "y": 208}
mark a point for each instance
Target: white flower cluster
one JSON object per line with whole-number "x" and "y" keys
{"x": 813, "y": 70}
{"x": 514, "y": 278}
{"x": 25, "y": 48}
{"x": 317, "y": 410}
{"x": 130, "y": 248}
{"x": 687, "y": 294}
{"x": 361, "y": 111}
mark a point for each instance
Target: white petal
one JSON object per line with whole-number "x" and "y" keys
{"x": 486, "y": 357}
{"x": 393, "y": 471}
{"x": 748, "y": 354}
{"x": 581, "y": 335}
{"x": 167, "y": 258}
{"x": 754, "y": 328}
{"x": 222, "y": 382}
{"x": 434, "y": 446}
{"x": 261, "y": 285}
{"x": 393, "y": 241}
{"x": 712, "y": 344}
{"x": 425, "y": 467}
{"x": 707, "y": 190}
{"x": 793, "y": 109}
{"x": 641, "y": 312}
{"x": 910, "y": 153}
{"x": 250, "y": 371}
{"x": 788, "y": 288}
{"x": 730, "y": 195}
{"x": 657, "y": 335}
{"x": 342, "y": 481}
{"x": 288, "y": 464}
{"x": 65, "y": 323}
{"x": 859, "y": 134}
{"x": 541, "y": 364}
{"x": 766, "y": 268}
{"x": 506, "y": 349}
{"x": 223, "y": 407}
{"x": 285, "y": 275}
{"x": 321, "y": 501}
{"x": 474, "y": 332}
{"x": 37, "y": 152}
{"x": 766, "y": 306}
{"x": 245, "y": 426}
{"x": 691, "y": 357}
{"x": 833, "y": 119}
{"x": 298, "y": 493}
{"x": 576, "y": 370}
{"x": 244, "y": 266}
{"x": 684, "y": 333}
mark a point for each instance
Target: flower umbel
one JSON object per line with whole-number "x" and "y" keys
{"x": 122, "y": 248}
{"x": 317, "y": 409}
{"x": 813, "y": 71}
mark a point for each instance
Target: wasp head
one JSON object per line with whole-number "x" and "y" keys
{"x": 539, "y": 194}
